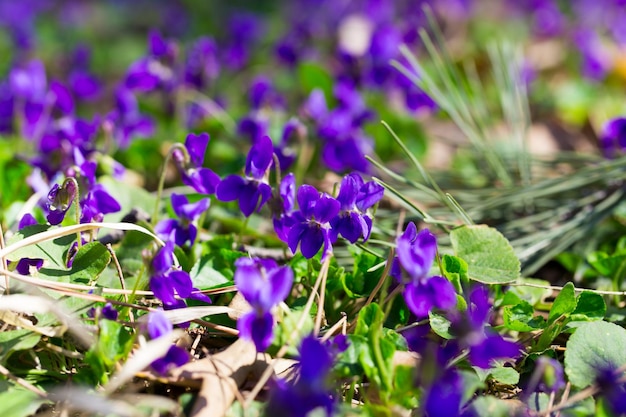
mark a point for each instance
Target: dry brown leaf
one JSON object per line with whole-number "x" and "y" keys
{"x": 222, "y": 374}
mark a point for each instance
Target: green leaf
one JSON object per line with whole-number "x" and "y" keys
{"x": 128, "y": 196}
{"x": 594, "y": 346}
{"x": 205, "y": 277}
{"x": 490, "y": 406}
{"x": 590, "y": 306}
{"x": 377, "y": 360}
{"x": 114, "y": 344}
{"x": 455, "y": 269}
{"x": 607, "y": 265}
{"x": 520, "y": 318}
{"x": 89, "y": 262}
{"x": 490, "y": 257}
{"x": 405, "y": 391}
{"x": 440, "y": 325}
{"x": 360, "y": 282}
{"x": 311, "y": 76}
{"x": 505, "y": 375}
{"x": 564, "y": 303}
{"x": 19, "y": 403}
{"x": 53, "y": 251}
{"x": 348, "y": 364}
{"x": 130, "y": 252}
{"x": 13, "y": 340}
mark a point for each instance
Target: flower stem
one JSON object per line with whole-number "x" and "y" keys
{"x": 283, "y": 350}
{"x": 72, "y": 180}
{"x": 177, "y": 146}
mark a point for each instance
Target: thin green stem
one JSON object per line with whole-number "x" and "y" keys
{"x": 177, "y": 146}
{"x": 72, "y": 180}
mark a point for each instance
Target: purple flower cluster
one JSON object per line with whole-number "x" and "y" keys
{"x": 321, "y": 219}
{"x": 442, "y": 382}
{"x": 264, "y": 285}
{"x": 341, "y": 128}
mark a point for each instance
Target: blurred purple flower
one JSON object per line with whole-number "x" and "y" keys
{"x": 264, "y": 285}
{"x": 154, "y": 71}
{"x": 311, "y": 391}
{"x": 253, "y": 191}
{"x": 612, "y": 140}
{"x": 81, "y": 81}
{"x": 595, "y": 61}
{"x": 28, "y": 82}
{"x": 444, "y": 396}
{"x": 202, "y": 66}
{"x": 96, "y": 204}
{"x": 182, "y": 230}
{"x": 294, "y": 129}
{"x": 472, "y": 331}
{"x": 244, "y": 30}
{"x": 157, "y": 326}
{"x": 109, "y": 312}
{"x": 255, "y": 126}
{"x": 344, "y": 143}
{"x": 612, "y": 388}
{"x": 355, "y": 197}
{"x": 128, "y": 123}
{"x": 261, "y": 92}
{"x": 311, "y": 223}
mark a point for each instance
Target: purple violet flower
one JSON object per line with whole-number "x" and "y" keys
{"x": 166, "y": 281}
{"x": 183, "y": 229}
{"x": 472, "y": 331}
{"x": 416, "y": 254}
{"x": 193, "y": 174}
{"x": 612, "y": 388}
{"x": 293, "y": 129}
{"x": 445, "y": 394}
{"x": 311, "y": 390}
{"x": 416, "y": 251}
{"x": 264, "y": 285}
{"x": 311, "y": 224}
{"x": 355, "y": 197}
{"x": 96, "y": 204}
{"x": 283, "y": 206}
{"x": 109, "y": 312}
{"x": 81, "y": 81}
{"x": 128, "y": 123}
{"x": 254, "y": 126}
{"x": 253, "y": 191}
{"x": 157, "y": 326}
{"x": 202, "y": 66}
{"x": 612, "y": 139}
{"x": 60, "y": 199}
{"x": 24, "y": 265}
